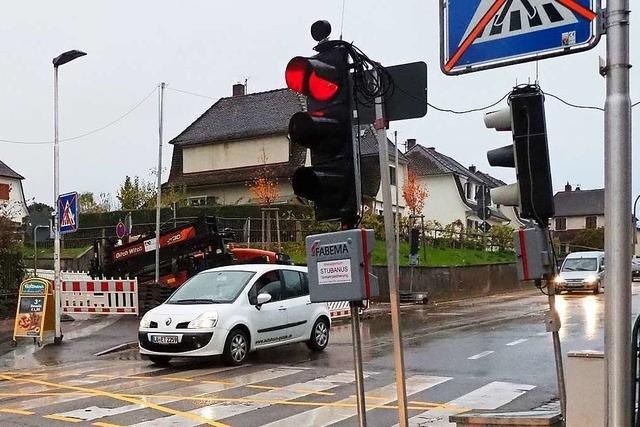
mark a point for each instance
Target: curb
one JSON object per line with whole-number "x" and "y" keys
{"x": 118, "y": 348}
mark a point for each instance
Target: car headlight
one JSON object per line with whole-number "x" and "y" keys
{"x": 559, "y": 279}
{"x": 590, "y": 279}
{"x": 146, "y": 320}
{"x": 204, "y": 321}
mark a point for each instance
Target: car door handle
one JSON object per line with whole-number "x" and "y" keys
{"x": 282, "y": 308}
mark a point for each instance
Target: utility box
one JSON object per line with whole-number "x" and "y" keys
{"x": 532, "y": 253}
{"x": 339, "y": 265}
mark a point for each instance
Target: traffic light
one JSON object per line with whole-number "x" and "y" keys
{"x": 332, "y": 181}
{"x": 529, "y": 155}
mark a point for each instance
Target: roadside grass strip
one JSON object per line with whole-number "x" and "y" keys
{"x": 120, "y": 397}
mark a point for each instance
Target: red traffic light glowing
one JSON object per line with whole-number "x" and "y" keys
{"x": 311, "y": 77}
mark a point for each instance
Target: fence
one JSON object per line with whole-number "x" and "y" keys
{"x": 267, "y": 231}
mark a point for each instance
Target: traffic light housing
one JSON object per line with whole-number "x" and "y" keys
{"x": 529, "y": 155}
{"x": 332, "y": 181}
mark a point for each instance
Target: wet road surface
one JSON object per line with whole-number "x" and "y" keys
{"x": 487, "y": 353}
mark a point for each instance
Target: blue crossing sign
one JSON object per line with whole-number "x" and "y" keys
{"x": 68, "y": 212}
{"x": 481, "y": 34}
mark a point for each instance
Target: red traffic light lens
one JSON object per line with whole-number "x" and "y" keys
{"x": 321, "y": 89}
{"x": 295, "y": 73}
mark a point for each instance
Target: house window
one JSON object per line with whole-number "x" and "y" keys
{"x": 591, "y": 222}
{"x": 561, "y": 223}
{"x": 470, "y": 224}
{"x": 197, "y": 201}
{"x": 5, "y": 189}
{"x": 392, "y": 175}
{"x": 468, "y": 189}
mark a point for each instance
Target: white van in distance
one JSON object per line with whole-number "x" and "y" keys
{"x": 582, "y": 271}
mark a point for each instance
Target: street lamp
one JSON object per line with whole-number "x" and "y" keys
{"x": 58, "y": 61}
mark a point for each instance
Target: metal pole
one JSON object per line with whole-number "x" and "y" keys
{"x": 56, "y": 223}
{"x": 277, "y": 211}
{"x": 395, "y": 137}
{"x": 159, "y": 189}
{"x": 634, "y": 232}
{"x": 249, "y": 232}
{"x": 381, "y": 136}
{"x": 557, "y": 349}
{"x": 617, "y": 133}
{"x": 357, "y": 362}
{"x": 35, "y": 252}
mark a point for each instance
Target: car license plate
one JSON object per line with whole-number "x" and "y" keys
{"x": 165, "y": 339}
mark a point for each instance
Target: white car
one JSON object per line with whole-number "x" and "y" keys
{"x": 233, "y": 310}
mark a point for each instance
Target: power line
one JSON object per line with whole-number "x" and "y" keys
{"x": 190, "y": 93}
{"x": 570, "y": 104}
{"x": 472, "y": 110}
{"x": 135, "y": 107}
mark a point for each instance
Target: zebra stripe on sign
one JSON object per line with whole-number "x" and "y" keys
{"x": 490, "y": 396}
{"x": 520, "y": 17}
{"x": 325, "y": 416}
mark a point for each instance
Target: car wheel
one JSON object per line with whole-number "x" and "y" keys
{"x": 236, "y": 348}
{"x": 160, "y": 360}
{"x": 319, "y": 335}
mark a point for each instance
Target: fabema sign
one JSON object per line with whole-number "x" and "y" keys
{"x": 339, "y": 266}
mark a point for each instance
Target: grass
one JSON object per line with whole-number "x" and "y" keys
{"x": 436, "y": 257}
{"x": 27, "y": 252}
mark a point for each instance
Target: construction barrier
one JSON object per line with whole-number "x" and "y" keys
{"x": 100, "y": 296}
{"x": 339, "y": 309}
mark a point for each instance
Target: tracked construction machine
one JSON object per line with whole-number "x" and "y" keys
{"x": 184, "y": 251}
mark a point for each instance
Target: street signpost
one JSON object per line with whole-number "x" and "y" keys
{"x": 480, "y": 34}
{"x": 68, "y": 212}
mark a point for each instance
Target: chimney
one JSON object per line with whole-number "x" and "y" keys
{"x": 238, "y": 89}
{"x": 567, "y": 187}
{"x": 472, "y": 169}
{"x": 577, "y": 187}
{"x": 411, "y": 142}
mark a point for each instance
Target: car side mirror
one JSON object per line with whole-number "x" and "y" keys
{"x": 262, "y": 299}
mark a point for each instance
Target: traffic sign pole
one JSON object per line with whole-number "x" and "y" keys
{"x": 56, "y": 220}
{"x": 394, "y": 294}
{"x": 617, "y": 133}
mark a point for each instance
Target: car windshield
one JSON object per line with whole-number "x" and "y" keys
{"x": 211, "y": 287}
{"x": 580, "y": 264}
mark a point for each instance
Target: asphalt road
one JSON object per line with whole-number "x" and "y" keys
{"x": 488, "y": 353}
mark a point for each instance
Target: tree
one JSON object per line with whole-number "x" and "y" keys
{"x": 89, "y": 205}
{"x": 589, "y": 238}
{"x": 134, "y": 194}
{"x": 264, "y": 186}
{"x": 501, "y": 236}
{"x": 414, "y": 193}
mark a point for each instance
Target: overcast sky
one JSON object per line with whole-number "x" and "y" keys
{"x": 206, "y": 46}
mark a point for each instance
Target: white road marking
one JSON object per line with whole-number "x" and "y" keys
{"x": 229, "y": 409}
{"x": 197, "y": 390}
{"x": 516, "y": 342}
{"x": 490, "y": 396}
{"x": 480, "y": 355}
{"x": 325, "y": 416}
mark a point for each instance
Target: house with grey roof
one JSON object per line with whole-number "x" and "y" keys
{"x": 454, "y": 190}
{"x": 245, "y": 136}
{"x": 575, "y": 210}
{"x": 12, "y": 201}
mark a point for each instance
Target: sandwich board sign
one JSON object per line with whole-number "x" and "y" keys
{"x": 480, "y": 34}
{"x": 68, "y": 212}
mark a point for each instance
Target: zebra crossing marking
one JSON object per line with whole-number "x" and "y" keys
{"x": 120, "y": 397}
{"x": 490, "y": 396}
{"x": 480, "y": 355}
{"x": 516, "y": 342}
{"x": 324, "y": 416}
{"x": 229, "y": 407}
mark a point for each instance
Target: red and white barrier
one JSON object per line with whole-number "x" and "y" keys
{"x": 100, "y": 296}
{"x": 339, "y": 310}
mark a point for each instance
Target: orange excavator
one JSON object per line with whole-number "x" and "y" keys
{"x": 184, "y": 251}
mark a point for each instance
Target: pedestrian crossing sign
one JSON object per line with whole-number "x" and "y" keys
{"x": 68, "y": 212}
{"x": 481, "y": 34}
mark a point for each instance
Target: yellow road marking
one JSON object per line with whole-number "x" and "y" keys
{"x": 101, "y": 376}
{"x": 15, "y": 411}
{"x": 217, "y": 382}
{"x": 297, "y": 390}
{"x": 42, "y": 394}
{"x": 101, "y": 424}
{"x": 62, "y": 418}
{"x": 122, "y": 397}
{"x": 187, "y": 380}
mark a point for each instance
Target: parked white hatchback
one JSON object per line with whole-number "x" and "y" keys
{"x": 233, "y": 310}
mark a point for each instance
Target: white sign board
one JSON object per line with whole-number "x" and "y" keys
{"x": 336, "y": 271}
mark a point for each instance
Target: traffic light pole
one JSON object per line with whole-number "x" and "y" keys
{"x": 357, "y": 362}
{"x": 394, "y": 295}
{"x": 617, "y": 134}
